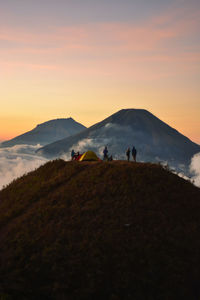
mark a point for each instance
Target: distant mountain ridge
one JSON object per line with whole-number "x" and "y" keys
{"x": 47, "y": 132}
{"x": 154, "y": 139}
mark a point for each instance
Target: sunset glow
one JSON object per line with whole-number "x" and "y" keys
{"x": 65, "y": 58}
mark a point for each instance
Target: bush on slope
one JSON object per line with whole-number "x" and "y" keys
{"x": 96, "y": 230}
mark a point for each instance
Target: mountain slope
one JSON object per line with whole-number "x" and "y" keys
{"x": 115, "y": 230}
{"x": 154, "y": 139}
{"x": 47, "y": 132}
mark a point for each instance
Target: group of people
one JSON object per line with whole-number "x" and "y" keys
{"x": 128, "y": 153}
{"x": 74, "y": 155}
{"x": 106, "y": 157}
{"x": 133, "y": 152}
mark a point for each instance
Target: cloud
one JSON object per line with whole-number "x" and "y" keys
{"x": 16, "y": 161}
{"x": 195, "y": 169}
{"x": 20, "y": 159}
{"x": 160, "y": 39}
{"x": 94, "y": 144}
{"x": 108, "y": 135}
{"x": 158, "y": 48}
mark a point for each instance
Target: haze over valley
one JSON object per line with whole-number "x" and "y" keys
{"x": 155, "y": 142}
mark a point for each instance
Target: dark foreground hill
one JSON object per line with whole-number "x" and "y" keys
{"x": 118, "y": 230}
{"x": 47, "y": 132}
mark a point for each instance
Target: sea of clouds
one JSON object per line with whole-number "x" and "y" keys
{"x": 98, "y": 144}
{"x": 102, "y": 138}
{"x": 195, "y": 169}
{"x": 20, "y": 159}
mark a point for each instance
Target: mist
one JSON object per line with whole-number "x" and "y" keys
{"x": 195, "y": 169}
{"x": 109, "y": 136}
{"x": 18, "y": 160}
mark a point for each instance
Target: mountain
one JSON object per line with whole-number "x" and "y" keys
{"x": 100, "y": 230}
{"x": 47, "y": 132}
{"x": 154, "y": 139}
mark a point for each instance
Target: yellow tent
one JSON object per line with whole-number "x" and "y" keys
{"x": 89, "y": 156}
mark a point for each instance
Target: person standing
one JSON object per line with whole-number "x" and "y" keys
{"x": 72, "y": 154}
{"x": 105, "y": 153}
{"x": 134, "y": 153}
{"x": 128, "y": 151}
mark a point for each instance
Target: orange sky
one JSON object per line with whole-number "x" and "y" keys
{"x": 56, "y": 64}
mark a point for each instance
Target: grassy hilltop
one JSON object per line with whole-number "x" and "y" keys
{"x": 93, "y": 230}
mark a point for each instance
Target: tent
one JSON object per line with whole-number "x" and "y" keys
{"x": 77, "y": 157}
{"x": 89, "y": 156}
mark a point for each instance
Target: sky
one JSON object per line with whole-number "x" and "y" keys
{"x": 88, "y": 59}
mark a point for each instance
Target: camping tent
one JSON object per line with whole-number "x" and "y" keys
{"x": 89, "y": 156}
{"x": 77, "y": 157}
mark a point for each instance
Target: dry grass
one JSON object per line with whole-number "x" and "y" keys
{"x": 95, "y": 230}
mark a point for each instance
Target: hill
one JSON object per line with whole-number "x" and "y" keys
{"x": 46, "y": 133}
{"x": 154, "y": 139}
{"x": 113, "y": 230}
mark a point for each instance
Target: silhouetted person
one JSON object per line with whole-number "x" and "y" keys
{"x": 72, "y": 154}
{"x": 76, "y": 155}
{"x": 134, "y": 153}
{"x": 128, "y": 151}
{"x": 105, "y": 153}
